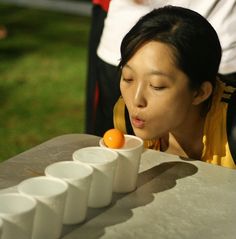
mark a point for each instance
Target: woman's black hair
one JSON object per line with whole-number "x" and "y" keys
{"x": 194, "y": 41}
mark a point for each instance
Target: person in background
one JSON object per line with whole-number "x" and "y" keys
{"x": 100, "y": 117}
{"x": 123, "y": 14}
{"x": 171, "y": 94}
{"x": 99, "y": 12}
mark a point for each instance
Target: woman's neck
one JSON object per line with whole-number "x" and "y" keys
{"x": 186, "y": 141}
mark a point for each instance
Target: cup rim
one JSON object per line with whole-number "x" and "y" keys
{"x": 21, "y": 185}
{"x": 109, "y": 161}
{"x": 27, "y": 197}
{"x": 49, "y": 167}
{"x": 102, "y": 144}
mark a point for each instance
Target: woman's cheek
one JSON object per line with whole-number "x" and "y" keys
{"x": 126, "y": 94}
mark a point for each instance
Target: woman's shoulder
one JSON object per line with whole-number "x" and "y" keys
{"x": 219, "y": 139}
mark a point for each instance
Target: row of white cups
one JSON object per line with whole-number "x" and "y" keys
{"x": 43, "y": 204}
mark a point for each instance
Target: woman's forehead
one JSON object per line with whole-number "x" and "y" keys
{"x": 151, "y": 55}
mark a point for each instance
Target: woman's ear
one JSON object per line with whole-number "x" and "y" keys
{"x": 203, "y": 93}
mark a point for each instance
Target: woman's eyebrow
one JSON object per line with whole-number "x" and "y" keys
{"x": 127, "y": 66}
{"x": 160, "y": 73}
{"x": 153, "y": 72}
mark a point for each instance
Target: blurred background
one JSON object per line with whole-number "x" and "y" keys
{"x": 43, "y": 58}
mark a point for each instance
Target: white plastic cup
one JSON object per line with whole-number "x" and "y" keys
{"x": 78, "y": 176}
{"x": 50, "y": 194}
{"x": 103, "y": 162}
{"x": 17, "y": 212}
{"x": 127, "y": 164}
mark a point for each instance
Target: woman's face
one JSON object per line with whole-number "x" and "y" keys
{"x": 155, "y": 91}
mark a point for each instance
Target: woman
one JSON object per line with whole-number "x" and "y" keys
{"x": 169, "y": 63}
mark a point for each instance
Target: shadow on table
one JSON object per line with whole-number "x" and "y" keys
{"x": 154, "y": 180}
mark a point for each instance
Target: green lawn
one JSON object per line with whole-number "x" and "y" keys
{"x": 42, "y": 77}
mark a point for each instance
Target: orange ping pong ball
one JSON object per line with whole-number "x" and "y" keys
{"x": 114, "y": 138}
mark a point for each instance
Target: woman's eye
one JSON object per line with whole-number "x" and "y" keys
{"x": 158, "y": 87}
{"x": 127, "y": 79}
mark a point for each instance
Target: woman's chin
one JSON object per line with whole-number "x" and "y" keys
{"x": 143, "y": 134}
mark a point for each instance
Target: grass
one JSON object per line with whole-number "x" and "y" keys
{"x": 42, "y": 77}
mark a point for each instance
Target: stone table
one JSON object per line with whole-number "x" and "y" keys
{"x": 175, "y": 198}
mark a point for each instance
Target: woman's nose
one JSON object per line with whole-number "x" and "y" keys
{"x": 139, "y": 97}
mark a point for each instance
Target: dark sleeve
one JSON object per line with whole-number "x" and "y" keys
{"x": 231, "y": 125}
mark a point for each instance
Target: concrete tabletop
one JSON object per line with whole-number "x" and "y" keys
{"x": 33, "y": 162}
{"x": 175, "y": 198}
